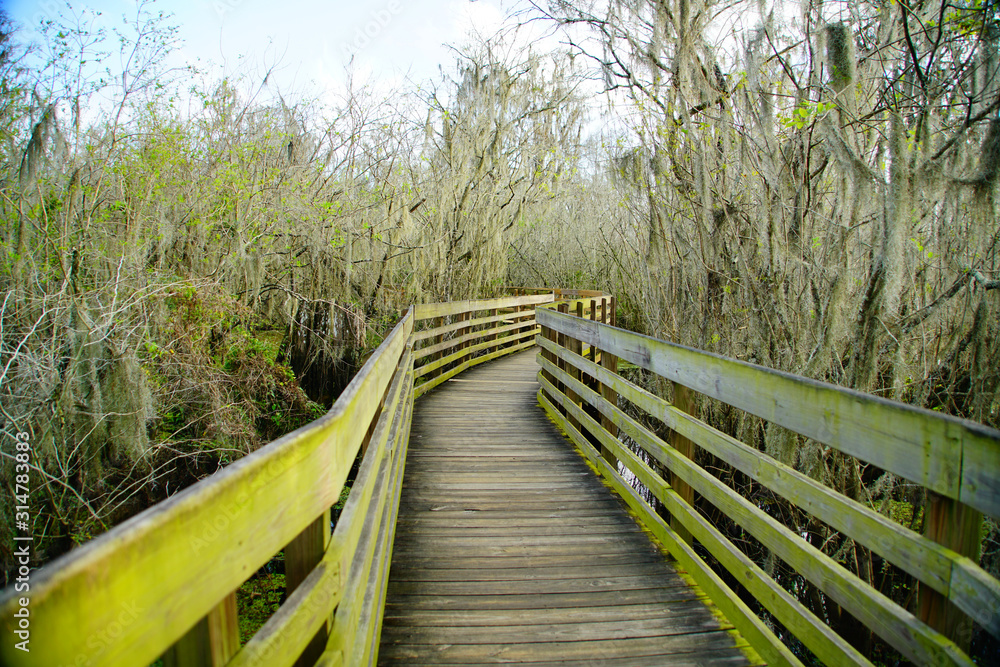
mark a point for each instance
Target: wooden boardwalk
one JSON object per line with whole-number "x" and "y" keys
{"x": 509, "y": 549}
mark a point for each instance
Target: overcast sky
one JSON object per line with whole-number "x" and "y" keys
{"x": 313, "y": 40}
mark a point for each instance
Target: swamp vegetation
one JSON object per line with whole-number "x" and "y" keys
{"x": 193, "y": 263}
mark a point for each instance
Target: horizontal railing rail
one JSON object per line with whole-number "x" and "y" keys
{"x": 163, "y": 584}
{"x": 957, "y": 460}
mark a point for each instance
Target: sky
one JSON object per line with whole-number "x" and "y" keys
{"x": 311, "y": 41}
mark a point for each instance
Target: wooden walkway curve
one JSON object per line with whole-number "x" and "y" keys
{"x": 509, "y": 549}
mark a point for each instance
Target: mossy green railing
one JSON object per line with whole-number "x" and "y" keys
{"x": 957, "y": 461}
{"x": 163, "y": 584}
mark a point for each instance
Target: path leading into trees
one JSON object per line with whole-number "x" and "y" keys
{"x": 509, "y": 549}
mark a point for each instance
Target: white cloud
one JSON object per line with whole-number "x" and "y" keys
{"x": 311, "y": 41}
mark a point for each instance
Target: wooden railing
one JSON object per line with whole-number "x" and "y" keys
{"x": 957, "y": 461}
{"x": 463, "y": 334}
{"x": 164, "y": 582}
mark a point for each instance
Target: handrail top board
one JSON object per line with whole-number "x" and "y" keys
{"x": 423, "y": 311}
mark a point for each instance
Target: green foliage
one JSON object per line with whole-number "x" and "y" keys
{"x": 805, "y": 114}
{"x": 256, "y": 600}
{"x": 221, "y": 381}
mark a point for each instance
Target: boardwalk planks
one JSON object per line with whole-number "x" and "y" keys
{"x": 508, "y": 548}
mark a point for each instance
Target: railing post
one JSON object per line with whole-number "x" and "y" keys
{"x": 212, "y": 642}
{"x": 575, "y": 346}
{"x": 683, "y": 401}
{"x": 438, "y": 323}
{"x": 549, "y": 334}
{"x": 593, "y": 318}
{"x": 560, "y": 364}
{"x": 955, "y": 526}
{"x": 462, "y": 317}
{"x": 302, "y": 555}
{"x": 610, "y": 363}
{"x": 515, "y": 319}
{"x": 525, "y": 323}
{"x": 493, "y": 337}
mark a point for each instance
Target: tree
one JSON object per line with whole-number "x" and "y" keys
{"x": 500, "y": 144}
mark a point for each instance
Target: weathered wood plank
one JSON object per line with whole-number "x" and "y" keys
{"x": 516, "y": 631}
{"x": 576, "y": 600}
{"x": 560, "y": 467}
{"x": 425, "y": 311}
{"x": 955, "y": 526}
{"x": 524, "y": 586}
{"x": 685, "y": 660}
{"x": 211, "y": 642}
{"x": 398, "y": 615}
{"x": 494, "y": 531}
{"x": 479, "y": 520}
{"x": 566, "y": 560}
{"x": 696, "y": 645}
{"x": 499, "y": 573}
{"x": 301, "y": 555}
{"x": 610, "y": 363}
{"x": 683, "y": 401}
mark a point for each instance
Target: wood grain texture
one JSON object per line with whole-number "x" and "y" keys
{"x": 211, "y": 642}
{"x": 302, "y": 555}
{"x": 508, "y": 547}
{"x": 425, "y": 311}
